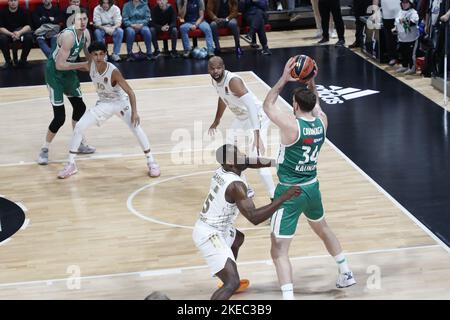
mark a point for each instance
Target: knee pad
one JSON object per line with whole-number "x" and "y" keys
{"x": 78, "y": 108}
{"x": 59, "y": 116}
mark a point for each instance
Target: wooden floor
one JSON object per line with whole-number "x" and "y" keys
{"x": 97, "y": 221}
{"x": 126, "y": 235}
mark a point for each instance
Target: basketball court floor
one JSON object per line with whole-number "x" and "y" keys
{"x": 111, "y": 232}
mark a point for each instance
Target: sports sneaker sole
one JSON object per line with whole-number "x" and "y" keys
{"x": 65, "y": 177}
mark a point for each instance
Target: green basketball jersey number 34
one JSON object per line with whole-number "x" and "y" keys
{"x": 297, "y": 163}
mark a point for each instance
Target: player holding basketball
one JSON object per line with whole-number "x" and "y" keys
{"x": 234, "y": 94}
{"x": 115, "y": 97}
{"x": 302, "y": 135}
{"x": 214, "y": 233}
{"x": 61, "y": 79}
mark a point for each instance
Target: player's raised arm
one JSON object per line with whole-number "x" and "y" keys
{"x": 273, "y": 112}
{"x": 317, "y": 111}
{"x": 67, "y": 40}
{"x": 237, "y": 192}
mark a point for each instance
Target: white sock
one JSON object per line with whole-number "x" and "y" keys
{"x": 46, "y": 145}
{"x": 149, "y": 157}
{"x": 72, "y": 157}
{"x": 342, "y": 263}
{"x": 288, "y": 291}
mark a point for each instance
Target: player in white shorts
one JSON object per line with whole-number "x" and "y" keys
{"x": 234, "y": 94}
{"x": 214, "y": 233}
{"x": 115, "y": 98}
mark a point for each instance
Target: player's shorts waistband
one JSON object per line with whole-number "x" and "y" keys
{"x": 299, "y": 184}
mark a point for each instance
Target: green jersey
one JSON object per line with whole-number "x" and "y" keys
{"x": 60, "y": 82}
{"x": 297, "y": 163}
{"x": 76, "y": 48}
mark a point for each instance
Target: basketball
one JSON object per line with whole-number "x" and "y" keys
{"x": 304, "y": 69}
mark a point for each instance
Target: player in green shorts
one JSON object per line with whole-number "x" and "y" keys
{"x": 302, "y": 135}
{"x": 62, "y": 79}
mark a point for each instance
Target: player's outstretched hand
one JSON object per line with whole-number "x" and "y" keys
{"x": 292, "y": 192}
{"x": 84, "y": 67}
{"x": 135, "y": 119}
{"x": 212, "y": 129}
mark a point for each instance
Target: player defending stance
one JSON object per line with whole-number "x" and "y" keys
{"x": 115, "y": 97}
{"x": 302, "y": 135}
{"x": 234, "y": 94}
{"x": 214, "y": 233}
{"x": 61, "y": 78}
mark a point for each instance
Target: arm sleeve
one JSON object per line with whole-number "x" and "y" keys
{"x": 250, "y": 103}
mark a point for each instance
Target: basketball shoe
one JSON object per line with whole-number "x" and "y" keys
{"x": 86, "y": 149}
{"x": 43, "y": 156}
{"x": 153, "y": 170}
{"x": 69, "y": 170}
{"x": 243, "y": 285}
{"x": 345, "y": 280}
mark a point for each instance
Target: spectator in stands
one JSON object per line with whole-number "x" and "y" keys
{"x": 192, "y": 13}
{"x": 164, "y": 18}
{"x": 69, "y": 12}
{"x": 334, "y": 7}
{"x": 390, "y": 10}
{"x": 107, "y": 20}
{"x": 15, "y": 29}
{"x": 408, "y": 35}
{"x": 46, "y": 22}
{"x": 255, "y": 15}
{"x": 223, "y": 14}
{"x": 359, "y": 9}
{"x": 136, "y": 19}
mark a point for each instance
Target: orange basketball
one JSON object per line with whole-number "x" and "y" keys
{"x": 304, "y": 69}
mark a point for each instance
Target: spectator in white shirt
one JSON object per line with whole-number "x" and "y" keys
{"x": 107, "y": 20}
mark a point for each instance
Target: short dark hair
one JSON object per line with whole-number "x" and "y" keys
{"x": 97, "y": 46}
{"x": 111, "y": 2}
{"x": 82, "y": 10}
{"x": 305, "y": 98}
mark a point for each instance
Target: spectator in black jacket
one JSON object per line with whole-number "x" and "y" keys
{"x": 15, "y": 27}
{"x": 164, "y": 18}
{"x": 256, "y": 16}
{"x": 46, "y": 15}
{"x": 359, "y": 9}
{"x": 333, "y": 7}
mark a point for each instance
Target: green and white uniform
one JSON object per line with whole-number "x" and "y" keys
{"x": 60, "y": 82}
{"x": 297, "y": 165}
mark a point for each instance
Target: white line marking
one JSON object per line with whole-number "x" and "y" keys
{"x": 395, "y": 202}
{"x": 166, "y": 271}
{"x": 5, "y": 241}
{"x": 112, "y": 156}
{"x": 22, "y": 206}
{"x": 25, "y": 224}
{"x": 147, "y": 218}
{"x": 136, "y": 90}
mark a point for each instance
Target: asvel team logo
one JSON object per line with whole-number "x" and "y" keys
{"x": 335, "y": 94}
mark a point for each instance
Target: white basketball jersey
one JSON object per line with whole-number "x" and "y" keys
{"x": 217, "y": 212}
{"x": 102, "y": 82}
{"x": 232, "y": 101}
